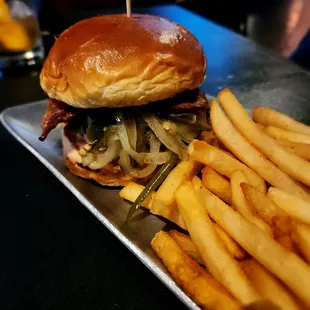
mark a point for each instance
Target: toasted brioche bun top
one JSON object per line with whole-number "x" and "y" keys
{"x": 117, "y": 61}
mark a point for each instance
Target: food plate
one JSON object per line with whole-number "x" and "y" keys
{"x": 23, "y": 122}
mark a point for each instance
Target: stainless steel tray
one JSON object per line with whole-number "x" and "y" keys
{"x": 23, "y": 122}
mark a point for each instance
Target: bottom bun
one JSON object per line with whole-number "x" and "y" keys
{"x": 110, "y": 175}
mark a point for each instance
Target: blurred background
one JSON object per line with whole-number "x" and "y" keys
{"x": 28, "y": 27}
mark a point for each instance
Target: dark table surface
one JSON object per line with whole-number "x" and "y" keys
{"x": 54, "y": 254}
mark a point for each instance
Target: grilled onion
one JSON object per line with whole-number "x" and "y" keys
{"x": 165, "y": 138}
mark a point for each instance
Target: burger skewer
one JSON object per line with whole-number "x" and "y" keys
{"x": 128, "y": 8}
{"x": 157, "y": 179}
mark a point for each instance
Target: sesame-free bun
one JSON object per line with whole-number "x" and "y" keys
{"x": 117, "y": 61}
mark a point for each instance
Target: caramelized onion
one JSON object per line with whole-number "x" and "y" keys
{"x": 104, "y": 158}
{"x": 165, "y": 138}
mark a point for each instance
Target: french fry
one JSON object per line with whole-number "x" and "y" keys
{"x": 164, "y": 203}
{"x": 300, "y": 149}
{"x": 133, "y": 190}
{"x": 223, "y": 163}
{"x": 196, "y": 282}
{"x": 297, "y": 208}
{"x": 301, "y": 237}
{"x": 187, "y": 245}
{"x": 296, "y": 167}
{"x": 282, "y": 134}
{"x": 282, "y": 232}
{"x": 270, "y": 117}
{"x": 215, "y": 255}
{"x": 262, "y": 305}
{"x": 217, "y": 184}
{"x": 268, "y": 285}
{"x": 287, "y": 266}
{"x": 243, "y": 150}
{"x": 242, "y": 205}
{"x": 264, "y": 207}
{"x": 190, "y": 249}
{"x": 234, "y": 248}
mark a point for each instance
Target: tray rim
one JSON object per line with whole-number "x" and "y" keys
{"x": 165, "y": 278}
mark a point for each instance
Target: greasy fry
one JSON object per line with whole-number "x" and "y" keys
{"x": 133, "y": 190}
{"x": 270, "y": 117}
{"x": 217, "y": 184}
{"x": 282, "y": 232}
{"x": 223, "y": 163}
{"x": 234, "y": 248}
{"x": 268, "y": 285}
{"x": 293, "y": 165}
{"x": 287, "y": 266}
{"x": 282, "y": 134}
{"x": 296, "y": 207}
{"x": 300, "y": 149}
{"x": 242, "y": 205}
{"x": 196, "y": 282}
{"x": 187, "y": 245}
{"x": 242, "y": 149}
{"x": 215, "y": 255}
{"x": 264, "y": 207}
{"x": 164, "y": 203}
{"x": 262, "y": 305}
{"x": 301, "y": 237}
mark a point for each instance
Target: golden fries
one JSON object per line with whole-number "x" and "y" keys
{"x": 191, "y": 277}
{"x": 223, "y": 163}
{"x": 190, "y": 249}
{"x": 133, "y": 190}
{"x": 264, "y": 207}
{"x": 217, "y": 184}
{"x": 261, "y": 305}
{"x": 234, "y": 248}
{"x": 300, "y": 149}
{"x": 187, "y": 245}
{"x": 282, "y": 232}
{"x": 270, "y": 117}
{"x": 301, "y": 237}
{"x": 241, "y": 148}
{"x": 293, "y": 165}
{"x": 288, "y": 267}
{"x": 213, "y": 252}
{"x": 282, "y": 134}
{"x": 292, "y": 205}
{"x": 164, "y": 202}
{"x": 268, "y": 285}
{"x": 255, "y": 248}
{"x": 242, "y": 205}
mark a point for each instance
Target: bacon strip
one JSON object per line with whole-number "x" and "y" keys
{"x": 57, "y": 112}
{"x": 190, "y": 101}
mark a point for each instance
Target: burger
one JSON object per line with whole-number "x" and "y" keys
{"x": 125, "y": 89}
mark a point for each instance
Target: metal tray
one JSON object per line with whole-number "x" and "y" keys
{"x": 23, "y": 122}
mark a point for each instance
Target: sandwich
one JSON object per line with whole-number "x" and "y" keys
{"x": 126, "y": 91}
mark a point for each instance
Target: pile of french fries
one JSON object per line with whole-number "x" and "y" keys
{"x": 242, "y": 200}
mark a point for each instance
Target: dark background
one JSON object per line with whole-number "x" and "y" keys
{"x": 54, "y": 254}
